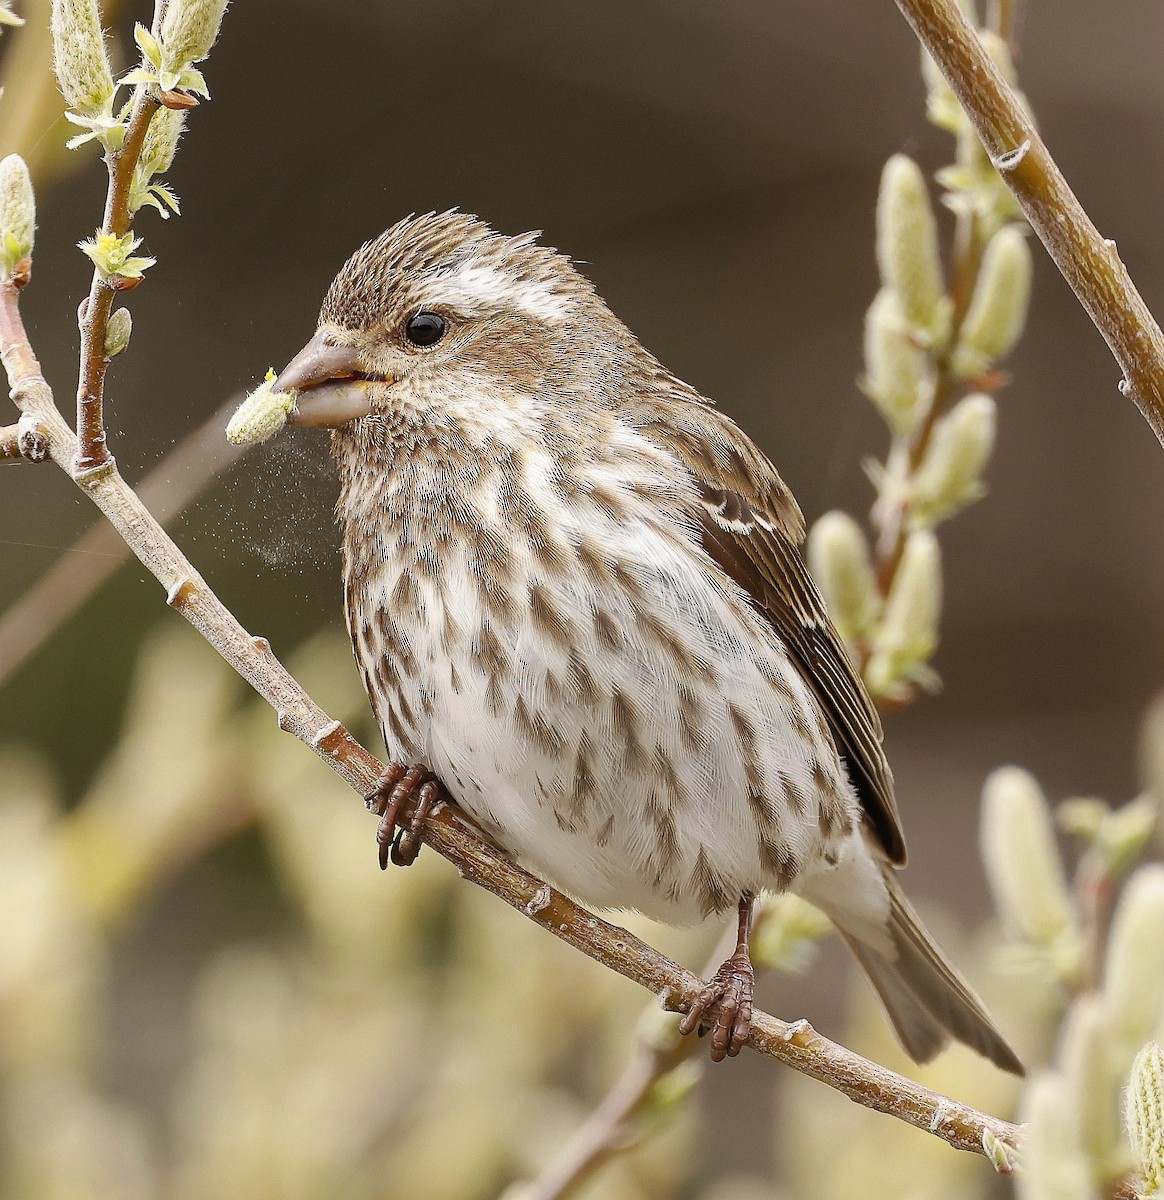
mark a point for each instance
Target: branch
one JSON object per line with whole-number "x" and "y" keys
{"x": 1088, "y": 262}
{"x": 166, "y": 491}
{"x": 92, "y": 451}
{"x": 446, "y": 830}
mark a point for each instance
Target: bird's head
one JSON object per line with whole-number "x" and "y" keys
{"x": 437, "y": 305}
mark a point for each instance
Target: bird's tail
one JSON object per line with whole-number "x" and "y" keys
{"x": 926, "y": 999}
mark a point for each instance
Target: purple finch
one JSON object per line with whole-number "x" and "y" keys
{"x": 576, "y": 594}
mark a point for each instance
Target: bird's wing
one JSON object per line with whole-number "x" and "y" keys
{"x": 751, "y": 528}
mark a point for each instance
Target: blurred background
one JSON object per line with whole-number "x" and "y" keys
{"x": 715, "y": 168}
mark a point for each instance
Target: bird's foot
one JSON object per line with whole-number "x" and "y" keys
{"x": 728, "y": 997}
{"x": 402, "y": 799}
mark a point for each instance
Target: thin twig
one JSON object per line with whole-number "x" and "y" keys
{"x": 615, "y": 1125}
{"x": 446, "y": 830}
{"x": 195, "y": 462}
{"x": 1088, "y": 262}
{"x": 92, "y": 452}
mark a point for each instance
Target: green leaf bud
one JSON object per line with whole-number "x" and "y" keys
{"x": 17, "y": 213}
{"x": 113, "y": 255}
{"x": 117, "y": 332}
{"x": 1053, "y": 1165}
{"x": 1134, "y": 967}
{"x": 998, "y": 308}
{"x": 1092, "y": 1076}
{"x": 189, "y": 30}
{"x": 950, "y": 475}
{"x": 908, "y": 634}
{"x": 79, "y": 57}
{"x": 1022, "y": 861}
{"x": 261, "y": 415}
{"x": 1003, "y": 1156}
{"x": 838, "y": 557}
{"x": 1144, "y": 1116}
{"x": 907, "y": 247}
{"x": 898, "y": 378}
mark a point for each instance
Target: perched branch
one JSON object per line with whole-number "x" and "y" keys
{"x": 446, "y": 830}
{"x": 1088, "y": 262}
{"x": 92, "y": 452}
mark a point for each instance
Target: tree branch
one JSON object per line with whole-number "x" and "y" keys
{"x": 92, "y": 451}
{"x": 1088, "y": 262}
{"x": 446, "y": 830}
{"x": 168, "y": 490}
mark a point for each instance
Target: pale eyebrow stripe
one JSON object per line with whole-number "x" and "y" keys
{"x": 474, "y": 283}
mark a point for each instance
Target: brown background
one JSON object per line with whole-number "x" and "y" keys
{"x": 715, "y": 166}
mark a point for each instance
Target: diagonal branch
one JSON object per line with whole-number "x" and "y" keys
{"x": 1088, "y": 262}
{"x": 798, "y": 1045}
{"x": 168, "y": 490}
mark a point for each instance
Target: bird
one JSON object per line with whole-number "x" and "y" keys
{"x": 576, "y": 594}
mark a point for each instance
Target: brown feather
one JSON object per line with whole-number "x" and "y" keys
{"x": 754, "y": 552}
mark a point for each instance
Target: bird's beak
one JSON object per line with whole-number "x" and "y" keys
{"x": 332, "y": 388}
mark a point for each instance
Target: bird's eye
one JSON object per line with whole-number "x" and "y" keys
{"x": 425, "y": 329}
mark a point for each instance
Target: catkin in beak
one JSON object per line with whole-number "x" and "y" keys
{"x": 331, "y": 389}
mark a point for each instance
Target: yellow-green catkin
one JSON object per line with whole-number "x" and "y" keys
{"x": 1134, "y": 969}
{"x": 908, "y": 633}
{"x": 1092, "y": 1076}
{"x": 950, "y": 475}
{"x": 1054, "y": 1166}
{"x": 80, "y": 59}
{"x": 1144, "y": 1116}
{"x": 261, "y": 415}
{"x": 161, "y": 141}
{"x": 190, "y": 29}
{"x": 898, "y": 378}
{"x": 907, "y": 246}
{"x": 1022, "y": 860}
{"x": 17, "y": 212}
{"x": 838, "y": 557}
{"x": 998, "y": 309}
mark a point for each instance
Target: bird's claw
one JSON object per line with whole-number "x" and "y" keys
{"x": 729, "y": 994}
{"x": 398, "y": 834}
